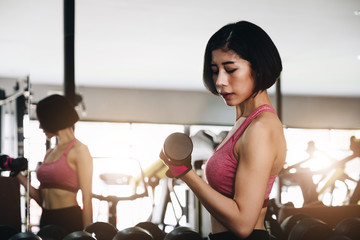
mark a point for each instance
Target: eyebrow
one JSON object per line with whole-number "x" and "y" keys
{"x": 228, "y": 62}
{"x": 224, "y": 63}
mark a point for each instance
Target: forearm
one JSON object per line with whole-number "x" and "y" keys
{"x": 224, "y": 209}
{"x": 87, "y": 212}
{"x": 33, "y": 192}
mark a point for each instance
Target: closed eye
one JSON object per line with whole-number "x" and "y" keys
{"x": 231, "y": 70}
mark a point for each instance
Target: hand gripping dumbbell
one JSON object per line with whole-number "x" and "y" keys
{"x": 14, "y": 165}
{"x": 176, "y": 154}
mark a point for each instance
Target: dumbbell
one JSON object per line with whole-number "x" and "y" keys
{"x": 102, "y": 230}
{"x": 289, "y": 222}
{"x": 153, "y": 229}
{"x": 6, "y": 232}
{"x": 183, "y": 233}
{"x": 25, "y": 236}
{"x": 349, "y": 227}
{"x": 79, "y": 235}
{"x": 311, "y": 229}
{"x": 53, "y": 232}
{"x": 14, "y": 165}
{"x": 176, "y": 154}
{"x": 133, "y": 233}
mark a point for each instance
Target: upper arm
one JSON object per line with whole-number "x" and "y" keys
{"x": 84, "y": 168}
{"x": 256, "y": 154}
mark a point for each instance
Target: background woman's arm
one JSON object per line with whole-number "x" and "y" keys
{"x": 33, "y": 192}
{"x": 84, "y": 166}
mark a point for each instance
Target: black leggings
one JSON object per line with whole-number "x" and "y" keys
{"x": 255, "y": 235}
{"x": 68, "y": 218}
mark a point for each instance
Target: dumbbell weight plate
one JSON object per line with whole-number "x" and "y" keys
{"x": 102, "y": 230}
{"x": 133, "y": 233}
{"x": 177, "y": 147}
{"x": 349, "y": 227}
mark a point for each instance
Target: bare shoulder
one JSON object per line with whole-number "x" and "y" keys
{"x": 80, "y": 146}
{"x": 266, "y": 132}
{"x": 267, "y": 123}
{"x": 80, "y": 150}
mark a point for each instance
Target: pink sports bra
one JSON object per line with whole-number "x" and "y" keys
{"x": 59, "y": 174}
{"x": 221, "y": 167}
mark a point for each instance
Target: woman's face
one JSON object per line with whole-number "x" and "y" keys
{"x": 232, "y": 76}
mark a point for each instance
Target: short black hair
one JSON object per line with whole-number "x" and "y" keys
{"x": 251, "y": 43}
{"x": 55, "y": 113}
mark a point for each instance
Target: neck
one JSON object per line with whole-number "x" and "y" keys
{"x": 245, "y": 108}
{"x": 65, "y": 136}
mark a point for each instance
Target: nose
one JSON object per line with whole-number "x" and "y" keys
{"x": 221, "y": 80}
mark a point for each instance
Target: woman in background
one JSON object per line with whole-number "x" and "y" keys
{"x": 66, "y": 169}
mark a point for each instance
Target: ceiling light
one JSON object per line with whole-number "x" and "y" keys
{"x": 357, "y": 12}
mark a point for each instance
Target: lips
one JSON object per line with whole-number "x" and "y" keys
{"x": 226, "y": 95}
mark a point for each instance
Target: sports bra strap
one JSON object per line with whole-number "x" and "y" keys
{"x": 252, "y": 116}
{"x": 68, "y": 148}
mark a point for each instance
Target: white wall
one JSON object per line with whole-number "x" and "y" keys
{"x": 200, "y": 107}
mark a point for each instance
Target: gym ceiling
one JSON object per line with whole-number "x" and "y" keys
{"x": 159, "y": 44}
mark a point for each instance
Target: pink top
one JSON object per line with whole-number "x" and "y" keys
{"x": 221, "y": 167}
{"x": 59, "y": 174}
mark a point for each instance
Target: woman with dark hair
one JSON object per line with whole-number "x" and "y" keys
{"x": 66, "y": 169}
{"x": 241, "y": 62}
